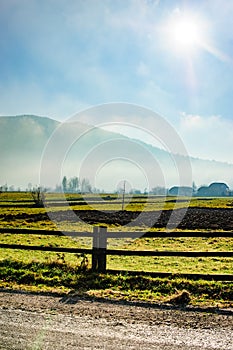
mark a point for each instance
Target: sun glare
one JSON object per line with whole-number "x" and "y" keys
{"x": 184, "y": 32}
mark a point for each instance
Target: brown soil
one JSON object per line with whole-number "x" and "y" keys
{"x": 190, "y": 219}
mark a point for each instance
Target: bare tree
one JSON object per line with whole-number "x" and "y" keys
{"x": 86, "y": 186}
{"x": 38, "y": 196}
{"x": 64, "y": 184}
{"x": 73, "y": 184}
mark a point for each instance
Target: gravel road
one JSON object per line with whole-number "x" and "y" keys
{"x": 39, "y": 322}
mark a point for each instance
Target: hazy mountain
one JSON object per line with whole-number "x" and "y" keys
{"x": 39, "y": 149}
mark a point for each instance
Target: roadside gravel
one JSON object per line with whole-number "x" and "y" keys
{"x": 32, "y": 321}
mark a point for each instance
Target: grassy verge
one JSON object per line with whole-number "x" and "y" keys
{"x": 57, "y": 275}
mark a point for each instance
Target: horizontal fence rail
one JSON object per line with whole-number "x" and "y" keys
{"x": 168, "y": 253}
{"x": 99, "y": 249}
{"x": 46, "y": 249}
{"x": 24, "y": 231}
{"x": 119, "y": 234}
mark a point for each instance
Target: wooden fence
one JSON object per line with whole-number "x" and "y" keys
{"x": 99, "y": 249}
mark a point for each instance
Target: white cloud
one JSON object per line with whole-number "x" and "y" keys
{"x": 196, "y": 122}
{"x": 208, "y": 137}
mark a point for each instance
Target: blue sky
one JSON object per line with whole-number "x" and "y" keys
{"x": 58, "y": 57}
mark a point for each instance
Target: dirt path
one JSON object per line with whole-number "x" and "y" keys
{"x": 44, "y": 322}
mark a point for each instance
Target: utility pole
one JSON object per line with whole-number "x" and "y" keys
{"x": 123, "y": 197}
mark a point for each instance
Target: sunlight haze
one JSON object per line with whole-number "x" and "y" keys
{"x": 175, "y": 58}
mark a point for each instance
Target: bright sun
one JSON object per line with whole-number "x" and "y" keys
{"x": 184, "y": 32}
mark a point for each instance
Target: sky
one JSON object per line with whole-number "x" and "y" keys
{"x": 58, "y": 57}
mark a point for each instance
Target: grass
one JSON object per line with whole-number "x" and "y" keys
{"x": 59, "y": 276}
{"x": 62, "y": 273}
{"x": 215, "y": 265}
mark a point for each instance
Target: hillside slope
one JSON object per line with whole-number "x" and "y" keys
{"x": 72, "y": 147}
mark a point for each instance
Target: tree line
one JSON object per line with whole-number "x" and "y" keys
{"x": 76, "y": 185}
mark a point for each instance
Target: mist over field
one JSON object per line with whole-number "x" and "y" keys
{"x": 32, "y": 152}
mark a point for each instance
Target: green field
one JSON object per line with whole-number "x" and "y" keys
{"x": 48, "y": 271}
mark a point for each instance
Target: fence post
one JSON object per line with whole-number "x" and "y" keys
{"x": 99, "y": 247}
{"x": 95, "y": 247}
{"x": 102, "y": 261}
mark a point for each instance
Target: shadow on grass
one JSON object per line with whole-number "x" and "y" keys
{"x": 81, "y": 280}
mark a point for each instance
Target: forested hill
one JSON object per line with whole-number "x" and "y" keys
{"x": 23, "y": 140}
